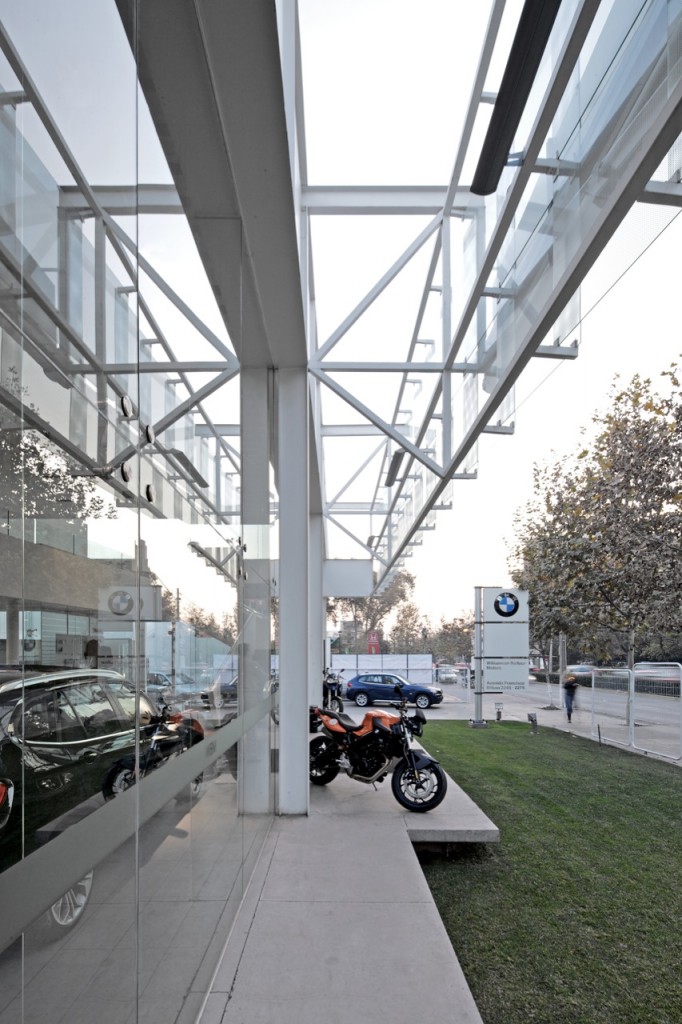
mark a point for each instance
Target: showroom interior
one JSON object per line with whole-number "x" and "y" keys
{"x": 192, "y": 462}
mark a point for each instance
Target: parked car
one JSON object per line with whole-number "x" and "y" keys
{"x": 160, "y": 686}
{"x": 59, "y": 735}
{"x": 668, "y": 669}
{"x": 163, "y": 680}
{"x": 223, "y": 690}
{"x": 582, "y": 673}
{"x": 369, "y": 687}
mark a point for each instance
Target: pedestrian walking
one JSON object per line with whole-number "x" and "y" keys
{"x": 570, "y": 686}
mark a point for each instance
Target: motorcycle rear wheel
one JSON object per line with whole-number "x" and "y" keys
{"x": 321, "y": 771}
{"x": 421, "y": 790}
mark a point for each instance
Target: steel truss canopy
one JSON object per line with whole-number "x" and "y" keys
{"x": 580, "y": 125}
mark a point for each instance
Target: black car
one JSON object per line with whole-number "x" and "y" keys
{"x": 59, "y": 735}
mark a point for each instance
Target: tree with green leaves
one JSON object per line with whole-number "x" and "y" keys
{"x": 368, "y": 614}
{"x": 410, "y": 631}
{"x": 599, "y": 546}
{"x": 453, "y": 641}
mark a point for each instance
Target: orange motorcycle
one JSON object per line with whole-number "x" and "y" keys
{"x": 370, "y": 750}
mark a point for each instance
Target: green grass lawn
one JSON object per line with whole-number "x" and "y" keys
{"x": 576, "y": 916}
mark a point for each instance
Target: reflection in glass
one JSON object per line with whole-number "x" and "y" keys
{"x": 120, "y": 695}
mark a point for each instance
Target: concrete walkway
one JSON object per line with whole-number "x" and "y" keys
{"x": 339, "y": 922}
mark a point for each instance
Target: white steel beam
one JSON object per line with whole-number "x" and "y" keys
{"x": 254, "y": 603}
{"x": 369, "y": 414}
{"x": 294, "y": 582}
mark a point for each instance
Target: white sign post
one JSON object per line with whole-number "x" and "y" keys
{"x": 502, "y": 644}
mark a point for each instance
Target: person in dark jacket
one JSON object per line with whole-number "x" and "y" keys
{"x": 570, "y": 686}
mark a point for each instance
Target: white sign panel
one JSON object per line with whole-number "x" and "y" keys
{"x": 508, "y": 675}
{"x": 504, "y": 640}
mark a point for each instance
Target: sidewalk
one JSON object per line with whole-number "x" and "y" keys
{"x": 338, "y": 918}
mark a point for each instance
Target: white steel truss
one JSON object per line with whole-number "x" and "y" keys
{"x": 429, "y": 449}
{"x": 415, "y": 407}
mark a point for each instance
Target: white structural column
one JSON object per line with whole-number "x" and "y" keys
{"x": 254, "y": 595}
{"x": 317, "y": 617}
{"x": 292, "y": 444}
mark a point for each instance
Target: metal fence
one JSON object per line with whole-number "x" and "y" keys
{"x": 639, "y": 709}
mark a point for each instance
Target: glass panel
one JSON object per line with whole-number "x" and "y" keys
{"x": 599, "y": 126}
{"x": 124, "y": 830}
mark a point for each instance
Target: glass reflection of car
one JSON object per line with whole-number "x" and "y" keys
{"x": 223, "y": 690}
{"x": 59, "y": 735}
{"x": 369, "y": 687}
{"x": 160, "y": 686}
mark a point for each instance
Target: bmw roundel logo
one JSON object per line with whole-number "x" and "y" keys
{"x": 506, "y": 604}
{"x": 121, "y": 602}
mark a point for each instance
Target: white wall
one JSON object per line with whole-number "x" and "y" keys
{"x": 417, "y": 668}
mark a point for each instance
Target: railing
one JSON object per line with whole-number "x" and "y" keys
{"x": 639, "y": 709}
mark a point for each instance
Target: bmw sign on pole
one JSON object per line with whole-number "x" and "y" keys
{"x": 501, "y": 648}
{"x": 505, "y": 642}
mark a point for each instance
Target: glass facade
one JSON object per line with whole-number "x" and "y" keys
{"x": 627, "y": 71}
{"x": 127, "y": 835}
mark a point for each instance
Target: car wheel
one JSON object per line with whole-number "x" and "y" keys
{"x": 361, "y": 699}
{"x": 67, "y": 911}
{"x": 119, "y": 778}
{"x": 423, "y": 701}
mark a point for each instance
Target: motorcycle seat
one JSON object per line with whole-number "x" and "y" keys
{"x": 346, "y": 721}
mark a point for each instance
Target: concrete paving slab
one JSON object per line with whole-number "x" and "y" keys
{"x": 339, "y": 915}
{"x": 310, "y": 961}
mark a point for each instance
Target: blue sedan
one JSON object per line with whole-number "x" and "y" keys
{"x": 388, "y": 686}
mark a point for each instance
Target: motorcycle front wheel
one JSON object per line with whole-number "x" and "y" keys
{"x": 321, "y": 770}
{"x": 336, "y": 705}
{"x": 419, "y": 790}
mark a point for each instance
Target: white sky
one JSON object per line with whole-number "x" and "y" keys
{"x": 386, "y": 85}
